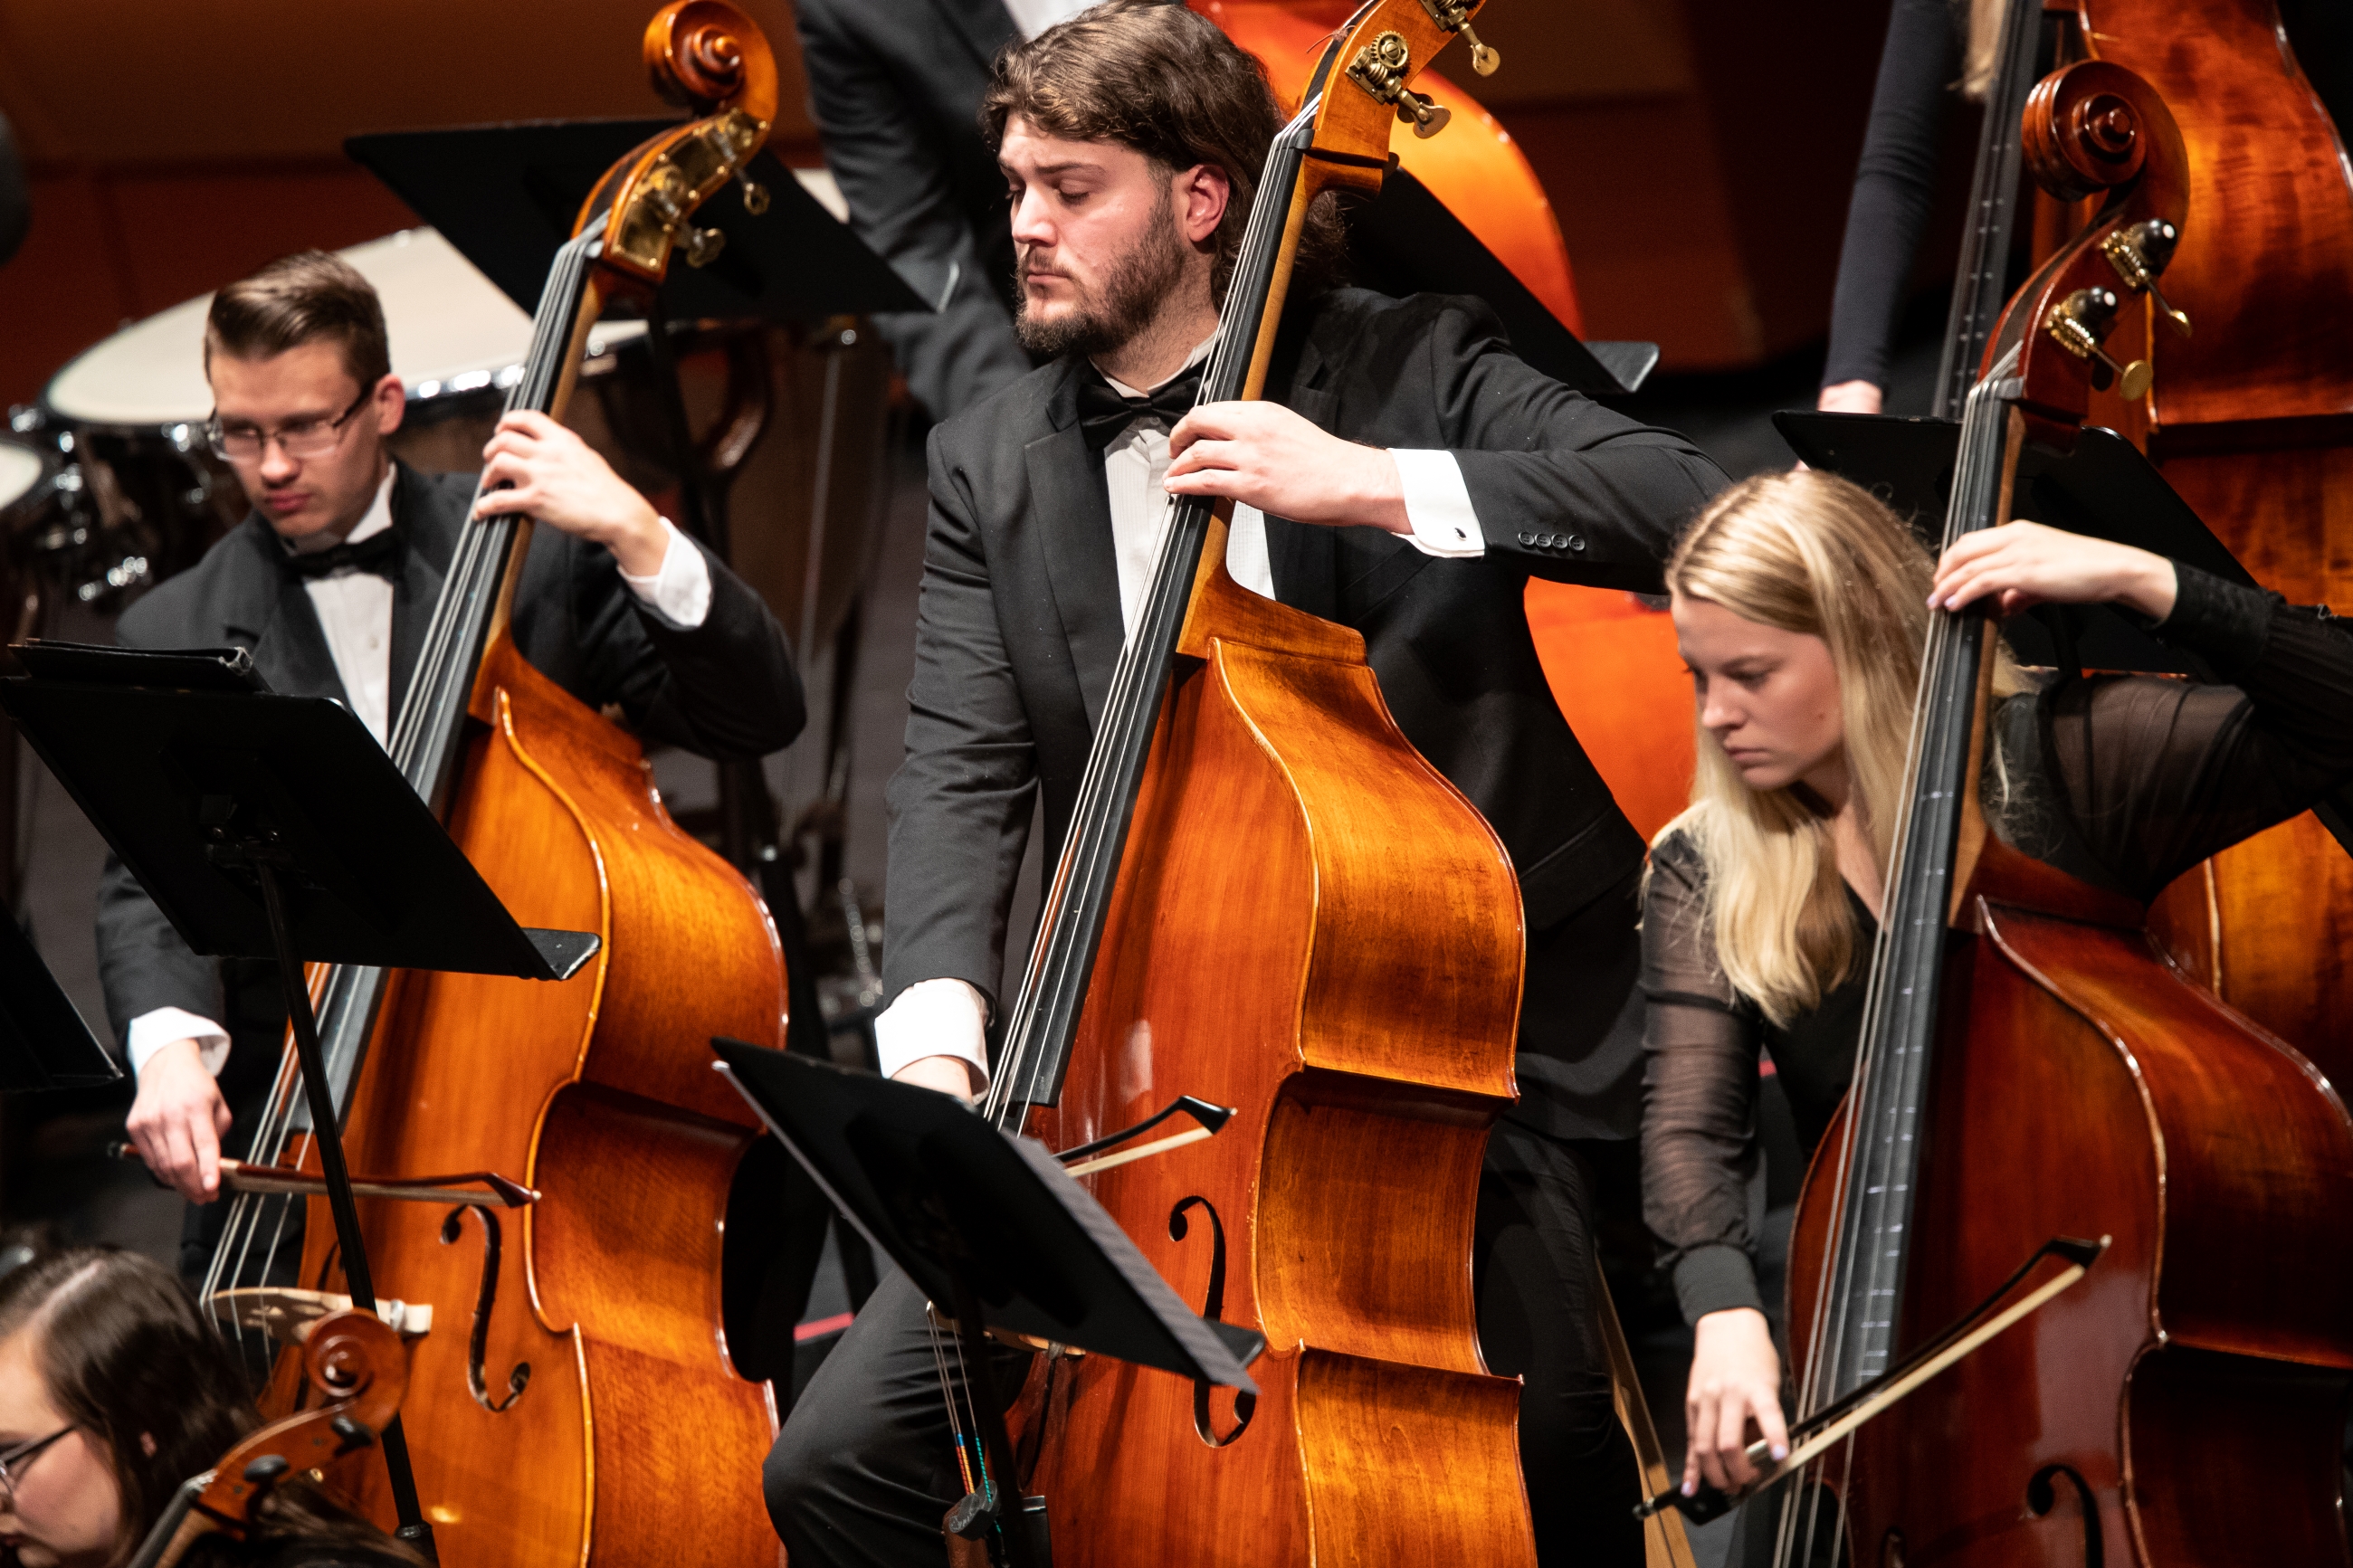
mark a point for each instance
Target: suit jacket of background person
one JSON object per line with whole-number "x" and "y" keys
{"x": 724, "y": 690}
{"x": 895, "y": 90}
{"x": 1019, "y": 624}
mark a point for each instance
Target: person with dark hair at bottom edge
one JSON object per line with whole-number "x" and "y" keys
{"x": 113, "y": 1391}
{"x": 1405, "y": 477}
{"x": 330, "y": 583}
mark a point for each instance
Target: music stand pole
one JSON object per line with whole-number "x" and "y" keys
{"x": 263, "y": 857}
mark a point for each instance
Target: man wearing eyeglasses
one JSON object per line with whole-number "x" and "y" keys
{"x": 330, "y": 583}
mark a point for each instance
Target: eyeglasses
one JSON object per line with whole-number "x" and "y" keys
{"x": 302, "y": 438}
{"x": 12, "y": 1462}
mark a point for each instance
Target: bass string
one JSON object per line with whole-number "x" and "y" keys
{"x": 347, "y": 998}
{"x": 1060, "y": 960}
{"x": 1877, "y": 1145}
{"x": 1046, "y": 1010}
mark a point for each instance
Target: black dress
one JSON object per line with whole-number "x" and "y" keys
{"x": 1894, "y": 186}
{"x": 2122, "y": 780}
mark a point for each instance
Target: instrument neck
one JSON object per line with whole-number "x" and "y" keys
{"x": 1879, "y": 1160}
{"x": 1045, "y": 1017}
{"x": 1979, "y": 294}
{"x": 477, "y": 594}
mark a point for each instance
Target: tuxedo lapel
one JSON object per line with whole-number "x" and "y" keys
{"x": 271, "y": 615}
{"x": 1070, "y": 506}
{"x": 432, "y": 534}
{"x": 984, "y": 26}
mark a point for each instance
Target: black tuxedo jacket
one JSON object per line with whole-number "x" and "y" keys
{"x": 1020, "y": 626}
{"x": 895, "y": 90}
{"x": 725, "y": 689}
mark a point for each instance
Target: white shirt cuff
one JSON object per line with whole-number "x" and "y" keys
{"x": 933, "y": 1018}
{"x": 1438, "y": 504}
{"x": 679, "y": 589}
{"x": 151, "y": 1032}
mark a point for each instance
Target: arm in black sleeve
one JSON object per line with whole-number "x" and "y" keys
{"x": 893, "y": 157}
{"x": 724, "y": 690}
{"x": 2158, "y": 774}
{"x": 1568, "y": 489}
{"x": 142, "y": 963}
{"x": 1699, "y": 1094}
{"x": 1892, "y": 187}
{"x": 961, "y": 803}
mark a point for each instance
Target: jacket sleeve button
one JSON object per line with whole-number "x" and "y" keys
{"x": 1576, "y": 542}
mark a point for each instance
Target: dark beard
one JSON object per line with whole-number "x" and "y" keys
{"x": 1138, "y": 284}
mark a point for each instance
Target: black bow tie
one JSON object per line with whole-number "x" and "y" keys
{"x": 1104, "y": 415}
{"x": 379, "y": 552}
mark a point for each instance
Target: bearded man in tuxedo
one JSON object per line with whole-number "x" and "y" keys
{"x": 1405, "y": 477}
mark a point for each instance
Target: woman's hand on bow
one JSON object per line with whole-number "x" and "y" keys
{"x": 1736, "y": 1385}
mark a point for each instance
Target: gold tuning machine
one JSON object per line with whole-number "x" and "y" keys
{"x": 2140, "y": 253}
{"x": 2079, "y": 323}
{"x": 1482, "y": 59}
{"x": 755, "y": 194}
{"x": 703, "y": 246}
{"x": 1454, "y": 15}
{"x": 1422, "y": 112}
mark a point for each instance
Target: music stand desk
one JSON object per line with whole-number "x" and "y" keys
{"x": 44, "y": 1044}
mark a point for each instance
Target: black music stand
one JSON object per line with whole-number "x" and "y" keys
{"x": 44, "y": 1044}
{"x": 506, "y": 196}
{"x": 2105, "y": 489}
{"x": 273, "y": 826}
{"x": 986, "y": 1221}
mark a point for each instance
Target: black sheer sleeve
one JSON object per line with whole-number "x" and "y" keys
{"x": 2153, "y": 776}
{"x": 1699, "y": 1094}
{"x": 1894, "y": 186}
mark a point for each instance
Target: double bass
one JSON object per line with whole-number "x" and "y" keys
{"x": 2045, "y": 1071}
{"x": 1270, "y": 902}
{"x": 2251, "y": 419}
{"x": 576, "y": 1398}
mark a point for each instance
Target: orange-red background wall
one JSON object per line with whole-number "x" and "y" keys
{"x": 1698, "y": 151}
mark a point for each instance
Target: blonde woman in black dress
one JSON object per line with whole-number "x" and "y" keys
{"x": 1800, "y": 604}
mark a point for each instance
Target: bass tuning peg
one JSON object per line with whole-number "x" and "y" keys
{"x": 2139, "y": 254}
{"x": 1422, "y": 112}
{"x": 1482, "y": 59}
{"x": 2079, "y": 323}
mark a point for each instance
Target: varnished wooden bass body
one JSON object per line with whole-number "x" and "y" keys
{"x": 2251, "y": 418}
{"x": 1313, "y": 926}
{"x": 632, "y": 1439}
{"x": 2183, "y": 1404}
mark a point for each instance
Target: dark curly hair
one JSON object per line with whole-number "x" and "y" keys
{"x": 129, "y": 1360}
{"x": 1153, "y": 76}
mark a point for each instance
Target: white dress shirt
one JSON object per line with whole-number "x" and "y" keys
{"x": 949, "y": 1017}
{"x": 354, "y": 609}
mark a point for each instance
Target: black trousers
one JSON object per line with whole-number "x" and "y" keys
{"x": 863, "y": 1469}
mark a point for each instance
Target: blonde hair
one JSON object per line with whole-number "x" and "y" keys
{"x": 1809, "y": 553}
